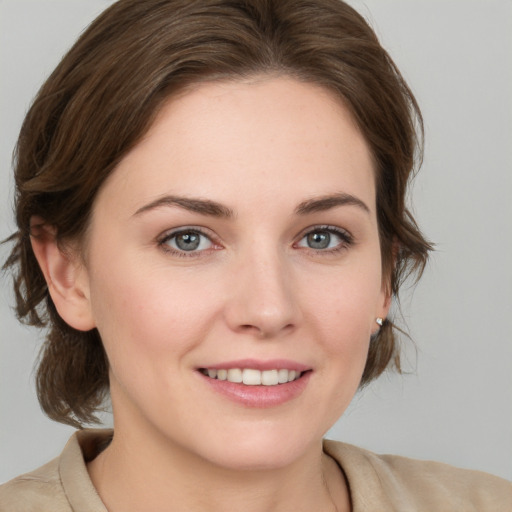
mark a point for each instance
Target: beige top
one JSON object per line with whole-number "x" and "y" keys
{"x": 380, "y": 483}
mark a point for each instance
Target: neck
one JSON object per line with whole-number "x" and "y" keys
{"x": 138, "y": 472}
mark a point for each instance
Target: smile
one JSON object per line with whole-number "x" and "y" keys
{"x": 253, "y": 377}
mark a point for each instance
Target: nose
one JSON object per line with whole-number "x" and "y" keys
{"x": 261, "y": 295}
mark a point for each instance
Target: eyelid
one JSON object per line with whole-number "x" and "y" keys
{"x": 346, "y": 237}
{"x": 164, "y": 237}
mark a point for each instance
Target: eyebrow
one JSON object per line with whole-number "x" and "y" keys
{"x": 321, "y": 204}
{"x": 202, "y": 206}
{"x": 214, "y": 209}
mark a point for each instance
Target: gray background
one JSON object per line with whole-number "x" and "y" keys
{"x": 455, "y": 403}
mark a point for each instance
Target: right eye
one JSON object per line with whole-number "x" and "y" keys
{"x": 186, "y": 241}
{"x": 326, "y": 239}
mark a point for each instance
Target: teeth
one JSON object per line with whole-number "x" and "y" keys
{"x": 252, "y": 377}
{"x": 282, "y": 376}
{"x": 269, "y": 378}
{"x": 235, "y": 375}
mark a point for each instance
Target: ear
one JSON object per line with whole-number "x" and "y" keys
{"x": 382, "y": 309}
{"x": 65, "y": 275}
{"x": 387, "y": 288}
{"x": 386, "y": 305}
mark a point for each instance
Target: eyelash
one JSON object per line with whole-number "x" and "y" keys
{"x": 163, "y": 242}
{"x": 346, "y": 240}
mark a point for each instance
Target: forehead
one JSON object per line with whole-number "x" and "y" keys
{"x": 261, "y": 137}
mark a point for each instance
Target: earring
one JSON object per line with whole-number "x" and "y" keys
{"x": 379, "y": 321}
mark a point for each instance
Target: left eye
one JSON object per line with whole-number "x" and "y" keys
{"x": 321, "y": 239}
{"x": 188, "y": 241}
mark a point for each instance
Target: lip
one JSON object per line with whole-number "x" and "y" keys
{"x": 255, "y": 364}
{"x": 259, "y": 397}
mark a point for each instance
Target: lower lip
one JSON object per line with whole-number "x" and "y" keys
{"x": 259, "y": 396}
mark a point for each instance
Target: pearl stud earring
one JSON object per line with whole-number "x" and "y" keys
{"x": 379, "y": 320}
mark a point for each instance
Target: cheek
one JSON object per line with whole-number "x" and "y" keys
{"x": 150, "y": 312}
{"x": 340, "y": 322}
{"x": 343, "y": 303}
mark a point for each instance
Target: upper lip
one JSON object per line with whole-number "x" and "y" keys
{"x": 256, "y": 364}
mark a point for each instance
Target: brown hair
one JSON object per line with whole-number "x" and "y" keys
{"x": 104, "y": 95}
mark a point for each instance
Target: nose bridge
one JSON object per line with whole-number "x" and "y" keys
{"x": 262, "y": 298}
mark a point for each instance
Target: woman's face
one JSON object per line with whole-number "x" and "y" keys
{"x": 239, "y": 234}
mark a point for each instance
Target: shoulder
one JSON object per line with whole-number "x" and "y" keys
{"x": 39, "y": 490}
{"x": 414, "y": 485}
{"x": 438, "y": 484}
{"x": 62, "y": 485}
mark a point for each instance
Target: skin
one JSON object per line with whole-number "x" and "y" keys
{"x": 253, "y": 289}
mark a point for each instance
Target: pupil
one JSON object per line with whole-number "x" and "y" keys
{"x": 319, "y": 240}
{"x": 187, "y": 241}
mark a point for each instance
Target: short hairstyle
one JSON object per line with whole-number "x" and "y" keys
{"x": 103, "y": 97}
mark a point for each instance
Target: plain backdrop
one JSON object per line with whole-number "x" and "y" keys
{"x": 454, "y": 404}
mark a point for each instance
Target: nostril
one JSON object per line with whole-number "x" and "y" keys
{"x": 248, "y": 327}
{"x": 264, "y": 331}
{"x": 248, "y": 312}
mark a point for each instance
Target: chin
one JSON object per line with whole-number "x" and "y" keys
{"x": 255, "y": 451}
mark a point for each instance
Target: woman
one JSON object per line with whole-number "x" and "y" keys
{"x": 210, "y": 201}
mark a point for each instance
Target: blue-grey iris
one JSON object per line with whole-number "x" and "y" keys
{"x": 319, "y": 240}
{"x": 188, "y": 241}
